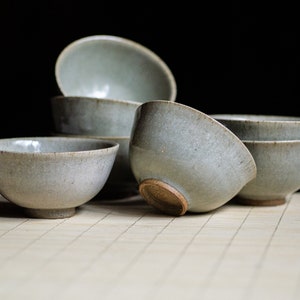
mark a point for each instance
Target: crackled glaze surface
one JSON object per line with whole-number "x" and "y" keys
{"x": 92, "y": 116}
{"x": 50, "y": 176}
{"x": 196, "y": 159}
{"x": 278, "y": 172}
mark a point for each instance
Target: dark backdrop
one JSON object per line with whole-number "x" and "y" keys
{"x": 227, "y": 57}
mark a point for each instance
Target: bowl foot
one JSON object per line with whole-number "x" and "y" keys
{"x": 50, "y": 213}
{"x": 255, "y": 202}
{"x": 163, "y": 197}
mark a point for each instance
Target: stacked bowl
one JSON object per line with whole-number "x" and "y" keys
{"x": 274, "y": 142}
{"x": 103, "y": 79}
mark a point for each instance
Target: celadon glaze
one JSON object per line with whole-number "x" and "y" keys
{"x": 278, "y": 172}
{"x": 105, "y": 66}
{"x": 92, "y": 116}
{"x": 51, "y": 176}
{"x": 184, "y": 160}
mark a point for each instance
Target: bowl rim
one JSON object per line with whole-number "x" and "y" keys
{"x": 256, "y": 118}
{"x": 94, "y": 99}
{"x": 271, "y": 142}
{"x": 90, "y": 136}
{"x": 108, "y": 145}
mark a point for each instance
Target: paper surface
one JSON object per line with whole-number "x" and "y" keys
{"x": 125, "y": 249}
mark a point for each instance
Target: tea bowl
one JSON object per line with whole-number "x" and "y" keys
{"x": 121, "y": 183}
{"x": 107, "y": 66}
{"x": 51, "y": 176}
{"x": 261, "y": 127}
{"x": 278, "y": 172}
{"x": 92, "y": 116}
{"x": 184, "y": 160}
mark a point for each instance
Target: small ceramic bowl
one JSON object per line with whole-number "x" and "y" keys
{"x": 121, "y": 183}
{"x": 105, "y": 66}
{"x": 278, "y": 172}
{"x": 92, "y": 116}
{"x": 184, "y": 160}
{"x": 51, "y": 176}
{"x": 261, "y": 127}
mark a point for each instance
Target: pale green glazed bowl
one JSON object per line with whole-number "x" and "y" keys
{"x": 184, "y": 160}
{"x": 106, "y": 66}
{"x": 51, "y": 176}
{"x": 278, "y": 172}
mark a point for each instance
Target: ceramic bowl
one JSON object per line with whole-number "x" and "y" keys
{"x": 92, "y": 116}
{"x": 278, "y": 172}
{"x": 184, "y": 160}
{"x": 121, "y": 183}
{"x": 51, "y": 176}
{"x": 261, "y": 127}
{"x": 105, "y": 66}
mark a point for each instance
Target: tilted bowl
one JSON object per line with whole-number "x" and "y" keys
{"x": 114, "y": 67}
{"x": 184, "y": 160}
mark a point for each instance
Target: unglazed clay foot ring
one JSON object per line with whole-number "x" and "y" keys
{"x": 163, "y": 197}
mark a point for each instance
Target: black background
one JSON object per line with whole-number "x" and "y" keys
{"x": 227, "y": 57}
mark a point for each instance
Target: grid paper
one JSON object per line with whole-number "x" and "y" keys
{"x": 125, "y": 249}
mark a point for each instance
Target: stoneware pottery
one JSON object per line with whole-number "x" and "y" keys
{"x": 105, "y": 66}
{"x": 261, "y": 127}
{"x": 184, "y": 160}
{"x": 278, "y": 172}
{"x": 92, "y": 116}
{"x": 51, "y": 176}
{"x": 121, "y": 183}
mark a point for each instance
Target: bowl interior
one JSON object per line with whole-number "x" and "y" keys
{"x": 113, "y": 67}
